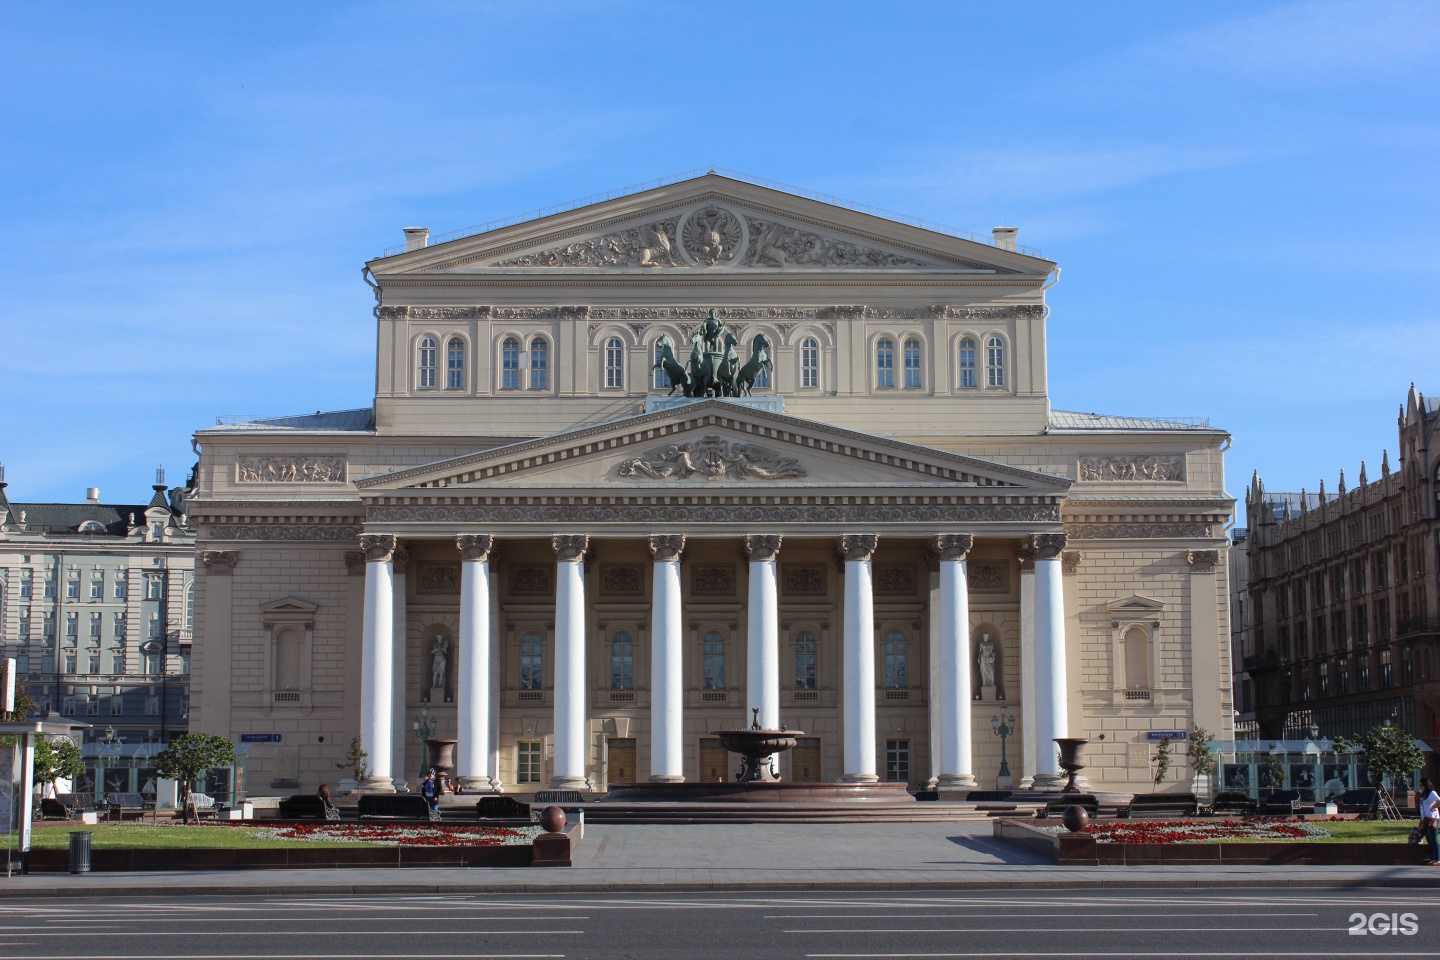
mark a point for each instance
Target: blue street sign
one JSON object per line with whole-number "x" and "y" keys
{"x": 260, "y": 737}
{"x": 1164, "y": 734}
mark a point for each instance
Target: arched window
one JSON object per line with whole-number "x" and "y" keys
{"x": 912, "y": 364}
{"x": 190, "y": 606}
{"x": 810, "y": 362}
{"x": 532, "y": 662}
{"x": 712, "y": 661}
{"x": 614, "y": 364}
{"x": 1137, "y": 659}
{"x": 510, "y": 364}
{"x": 995, "y": 362}
{"x": 425, "y": 374}
{"x": 622, "y": 662}
{"x": 804, "y": 660}
{"x": 762, "y": 379}
{"x": 897, "y": 661}
{"x": 455, "y": 364}
{"x": 967, "y": 362}
{"x": 662, "y": 379}
{"x": 885, "y": 362}
{"x": 539, "y": 363}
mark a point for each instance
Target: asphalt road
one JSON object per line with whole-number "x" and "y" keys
{"x": 1203, "y": 923}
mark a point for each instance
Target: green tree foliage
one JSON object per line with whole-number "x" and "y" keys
{"x": 57, "y": 761}
{"x": 1274, "y": 766}
{"x": 1197, "y": 750}
{"x": 1162, "y": 761}
{"x": 357, "y": 761}
{"x": 189, "y": 756}
{"x": 1389, "y": 751}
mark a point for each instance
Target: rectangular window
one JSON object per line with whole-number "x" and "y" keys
{"x": 810, "y": 363}
{"x": 154, "y": 588}
{"x": 532, "y": 662}
{"x": 67, "y": 707}
{"x": 119, "y": 626}
{"x": 1387, "y": 674}
{"x": 897, "y": 662}
{"x": 70, "y": 663}
{"x": 121, "y": 590}
{"x": 155, "y": 626}
{"x": 967, "y": 363}
{"x": 1324, "y": 679}
{"x": 72, "y": 625}
{"x": 117, "y": 705}
{"x": 527, "y": 761}
{"x": 27, "y": 585}
{"x": 49, "y": 587}
{"x": 94, "y": 663}
{"x": 95, "y": 625}
{"x": 510, "y": 365}
{"x": 24, "y": 624}
{"x": 92, "y": 706}
{"x": 805, "y": 660}
{"x": 614, "y": 364}
{"x": 48, "y": 627}
{"x": 97, "y": 588}
{"x": 912, "y": 365}
{"x": 1362, "y": 675}
{"x": 117, "y": 665}
{"x": 22, "y": 664}
{"x": 47, "y": 663}
{"x": 154, "y": 664}
{"x": 72, "y": 589}
{"x": 1407, "y": 667}
{"x": 622, "y": 662}
{"x": 885, "y": 364}
{"x": 897, "y": 761}
{"x": 712, "y": 656}
{"x": 539, "y": 365}
{"x": 152, "y": 706}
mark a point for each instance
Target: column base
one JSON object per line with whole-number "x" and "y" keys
{"x": 376, "y": 785}
{"x": 1049, "y": 781}
{"x": 956, "y": 781}
{"x": 476, "y": 784}
{"x": 569, "y": 783}
{"x": 859, "y": 778}
{"x": 667, "y": 778}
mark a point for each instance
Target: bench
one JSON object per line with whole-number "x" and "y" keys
{"x": 986, "y": 796}
{"x": 302, "y": 806}
{"x": 1163, "y": 805}
{"x": 1233, "y": 803}
{"x": 1364, "y": 801}
{"x": 52, "y": 809}
{"x": 396, "y": 806}
{"x": 119, "y": 804}
{"x": 501, "y": 808}
{"x": 559, "y": 797}
{"x": 1279, "y": 803}
{"x": 927, "y": 795}
{"x": 1089, "y": 801}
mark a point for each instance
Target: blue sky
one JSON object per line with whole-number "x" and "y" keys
{"x": 1243, "y": 196}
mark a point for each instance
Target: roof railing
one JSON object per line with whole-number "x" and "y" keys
{"x": 923, "y": 224}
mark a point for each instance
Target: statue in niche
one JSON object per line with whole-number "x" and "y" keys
{"x": 986, "y": 659}
{"x": 440, "y": 662}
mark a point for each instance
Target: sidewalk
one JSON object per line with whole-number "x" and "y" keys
{"x": 731, "y": 858}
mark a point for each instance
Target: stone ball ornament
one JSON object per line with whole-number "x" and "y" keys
{"x": 1076, "y": 819}
{"x": 552, "y": 819}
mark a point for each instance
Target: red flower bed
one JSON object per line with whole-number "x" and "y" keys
{"x": 1193, "y": 831}
{"x": 429, "y": 835}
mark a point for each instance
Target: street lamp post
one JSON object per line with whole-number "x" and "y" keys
{"x": 1003, "y": 729}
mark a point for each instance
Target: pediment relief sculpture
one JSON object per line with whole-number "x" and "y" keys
{"x": 714, "y": 458}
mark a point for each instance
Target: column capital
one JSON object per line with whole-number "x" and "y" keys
{"x": 378, "y": 547}
{"x": 858, "y": 546}
{"x": 667, "y": 549}
{"x": 1070, "y": 561}
{"x": 762, "y": 548}
{"x": 1048, "y": 545}
{"x": 474, "y": 547}
{"x": 220, "y": 561}
{"x": 1026, "y": 556}
{"x": 954, "y": 546}
{"x": 400, "y": 559}
{"x": 570, "y": 548}
{"x": 355, "y": 562}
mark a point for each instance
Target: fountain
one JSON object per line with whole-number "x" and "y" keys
{"x": 758, "y": 748}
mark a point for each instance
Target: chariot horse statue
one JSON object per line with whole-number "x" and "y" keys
{"x": 759, "y": 360}
{"x": 679, "y": 377}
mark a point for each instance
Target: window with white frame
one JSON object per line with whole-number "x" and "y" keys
{"x": 614, "y": 364}
{"x": 72, "y": 588}
{"x": 805, "y": 660}
{"x": 118, "y": 628}
{"x": 510, "y": 364}
{"x": 884, "y": 362}
{"x": 121, "y": 589}
{"x": 455, "y": 364}
{"x": 712, "y": 661}
{"x": 897, "y": 661}
{"x": 425, "y": 363}
{"x": 72, "y": 624}
{"x": 662, "y": 379}
{"x": 622, "y": 662}
{"x": 762, "y": 379}
{"x": 527, "y": 761}
{"x": 27, "y": 584}
{"x": 97, "y": 585}
{"x": 913, "y": 377}
{"x": 24, "y": 624}
{"x": 95, "y": 624}
{"x": 995, "y": 362}
{"x": 897, "y": 761}
{"x": 154, "y": 587}
{"x": 152, "y": 706}
{"x": 532, "y": 662}
{"x": 539, "y": 363}
{"x": 117, "y": 702}
{"x": 190, "y": 606}
{"x": 967, "y": 362}
{"x": 810, "y": 362}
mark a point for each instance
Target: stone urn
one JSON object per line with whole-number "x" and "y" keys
{"x": 1072, "y": 760}
{"x": 442, "y": 758}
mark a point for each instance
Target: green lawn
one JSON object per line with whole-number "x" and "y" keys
{"x": 117, "y": 836}
{"x": 1349, "y": 831}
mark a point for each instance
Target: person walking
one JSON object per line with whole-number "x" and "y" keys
{"x": 430, "y": 790}
{"x": 1430, "y": 820}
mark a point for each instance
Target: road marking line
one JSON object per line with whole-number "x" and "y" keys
{"x": 298, "y": 933}
{"x": 1078, "y": 930}
{"x": 1018, "y": 916}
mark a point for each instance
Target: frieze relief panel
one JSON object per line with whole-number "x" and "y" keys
{"x": 1133, "y": 468}
{"x": 988, "y": 577}
{"x": 802, "y": 580}
{"x": 1137, "y": 531}
{"x": 529, "y": 581}
{"x": 895, "y": 581}
{"x": 281, "y": 531}
{"x": 712, "y": 580}
{"x": 621, "y": 579}
{"x": 440, "y": 578}
{"x": 713, "y": 458}
{"x": 668, "y": 514}
{"x": 290, "y": 470}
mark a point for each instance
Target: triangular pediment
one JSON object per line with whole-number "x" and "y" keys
{"x": 1134, "y": 604}
{"x": 713, "y": 223}
{"x": 288, "y": 609}
{"x": 712, "y": 445}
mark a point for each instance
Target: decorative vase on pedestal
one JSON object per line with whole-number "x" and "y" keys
{"x": 442, "y": 759}
{"x": 1072, "y": 760}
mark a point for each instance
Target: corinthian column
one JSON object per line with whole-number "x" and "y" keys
{"x": 953, "y": 683}
{"x": 472, "y": 682}
{"x": 762, "y": 653}
{"x": 1051, "y": 696}
{"x": 377, "y": 661}
{"x": 859, "y": 690}
{"x": 667, "y": 689}
{"x": 569, "y": 773}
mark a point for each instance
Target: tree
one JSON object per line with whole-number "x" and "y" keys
{"x": 357, "y": 760}
{"x": 188, "y": 756}
{"x": 1197, "y": 751}
{"x": 1273, "y": 766}
{"x": 1389, "y": 751}
{"x": 1162, "y": 761}
{"x": 57, "y": 761}
{"x": 24, "y": 706}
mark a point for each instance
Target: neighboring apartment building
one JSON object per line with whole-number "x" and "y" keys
{"x": 1242, "y": 640}
{"x": 97, "y": 606}
{"x": 1342, "y": 622}
{"x": 529, "y": 545}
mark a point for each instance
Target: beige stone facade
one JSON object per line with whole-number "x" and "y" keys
{"x": 907, "y": 401}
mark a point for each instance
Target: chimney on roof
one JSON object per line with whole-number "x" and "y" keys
{"x": 416, "y": 238}
{"x": 1005, "y": 237}
{"x": 92, "y": 494}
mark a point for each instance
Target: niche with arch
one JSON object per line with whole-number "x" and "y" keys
{"x": 289, "y": 633}
{"x": 1134, "y": 632}
{"x": 987, "y": 649}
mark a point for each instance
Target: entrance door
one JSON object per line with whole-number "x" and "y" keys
{"x": 622, "y": 760}
{"x": 805, "y": 760}
{"x": 714, "y": 761}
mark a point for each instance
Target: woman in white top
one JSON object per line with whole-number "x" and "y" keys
{"x": 1430, "y": 819}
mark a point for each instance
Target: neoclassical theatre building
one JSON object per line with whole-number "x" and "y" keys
{"x": 880, "y": 534}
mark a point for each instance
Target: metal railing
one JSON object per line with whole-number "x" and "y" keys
{"x": 923, "y": 224}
